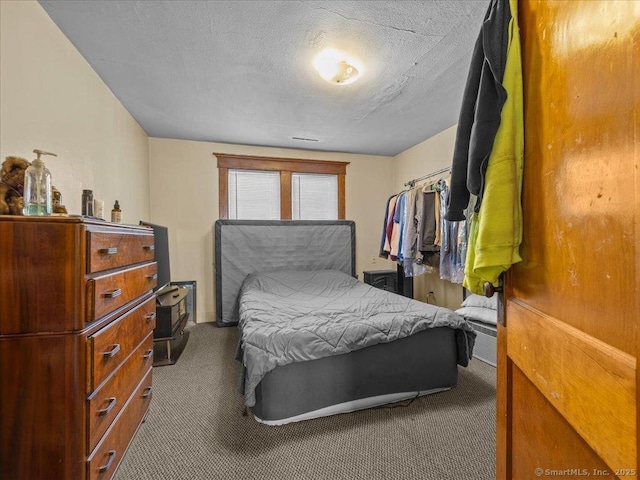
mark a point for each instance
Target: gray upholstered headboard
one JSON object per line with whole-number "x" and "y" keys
{"x": 248, "y": 246}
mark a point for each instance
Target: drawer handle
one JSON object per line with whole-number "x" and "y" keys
{"x": 147, "y": 391}
{"x": 108, "y": 251}
{"x": 153, "y": 276}
{"x": 112, "y": 403}
{"x": 149, "y": 248}
{"x": 150, "y": 317}
{"x": 148, "y": 355}
{"x": 107, "y": 466}
{"x": 113, "y": 293}
{"x": 112, "y": 352}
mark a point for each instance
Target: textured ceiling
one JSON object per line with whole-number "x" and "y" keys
{"x": 241, "y": 71}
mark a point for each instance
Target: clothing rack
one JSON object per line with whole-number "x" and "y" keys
{"x": 411, "y": 183}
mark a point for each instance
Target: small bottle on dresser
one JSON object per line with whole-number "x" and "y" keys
{"x": 87, "y": 203}
{"x": 116, "y": 213}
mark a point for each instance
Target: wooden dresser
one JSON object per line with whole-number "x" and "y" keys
{"x": 76, "y": 343}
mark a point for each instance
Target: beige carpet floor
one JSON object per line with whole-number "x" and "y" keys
{"x": 195, "y": 429}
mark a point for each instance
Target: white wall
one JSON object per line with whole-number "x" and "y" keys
{"x": 429, "y": 156}
{"x": 184, "y": 197}
{"x": 51, "y": 98}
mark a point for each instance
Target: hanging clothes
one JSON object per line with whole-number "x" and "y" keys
{"x": 427, "y": 240}
{"x": 419, "y": 266}
{"x": 496, "y": 230}
{"x": 384, "y": 240}
{"x": 438, "y": 239}
{"x": 453, "y": 250}
{"x": 389, "y": 227}
{"x": 428, "y": 248}
{"x": 420, "y": 253}
{"x": 482, "y": 103}
{"x": 413, "y": 231}
{"x": 411, "y": 258}
{"x": 409, "y": 227}
{"x": 396, "y": 233}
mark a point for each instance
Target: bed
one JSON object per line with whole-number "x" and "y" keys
{"x": 314, "y": 340}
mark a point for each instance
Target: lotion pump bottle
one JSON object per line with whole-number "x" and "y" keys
{"x": 37, "y": 187}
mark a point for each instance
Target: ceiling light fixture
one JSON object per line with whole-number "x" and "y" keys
{"x": 337, "y": 67}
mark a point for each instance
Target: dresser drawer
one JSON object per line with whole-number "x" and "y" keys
{"x": 104, "y": 404}
{"x": 114, "y": 250}
{"x": 111, "y": 291}
{"x": 109, "y": 346}
{"x": 104, "y": 459}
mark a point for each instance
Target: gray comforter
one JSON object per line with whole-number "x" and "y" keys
{"x": 295, "y": 316}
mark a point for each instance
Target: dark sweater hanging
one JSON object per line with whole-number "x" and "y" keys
{"x": 482, "y": 103}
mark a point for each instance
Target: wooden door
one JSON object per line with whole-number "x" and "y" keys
{"x": 567, "y": 377}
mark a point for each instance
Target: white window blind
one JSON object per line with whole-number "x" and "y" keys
{"x": 254, "y": 195}
{"x": 314, "y": 196}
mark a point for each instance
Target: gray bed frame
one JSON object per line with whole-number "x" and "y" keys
{"x": 419, "y": 364}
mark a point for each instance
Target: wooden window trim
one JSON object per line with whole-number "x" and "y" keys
{"x": 285, "y": 195}
{"x": 223, "y": 192}
{"x": 286, "y": 166}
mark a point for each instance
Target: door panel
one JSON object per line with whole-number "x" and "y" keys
{"x": 567, "y": 373}
{"x": 582, "y": 96}
{"x": 549, "y": 436}
{"x": 583, "y": 378}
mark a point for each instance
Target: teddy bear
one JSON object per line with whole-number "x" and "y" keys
{"x": 12, "y": 185}
{"x": 4, "y": 206}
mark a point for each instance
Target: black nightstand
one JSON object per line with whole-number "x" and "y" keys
{"x": 383, "y": 279}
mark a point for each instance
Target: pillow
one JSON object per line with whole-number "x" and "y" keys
{"x": 479, "y": 314}
{"x": 474, "y": 300}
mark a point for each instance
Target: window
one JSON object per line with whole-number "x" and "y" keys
{"x": 267, "y": 188}
{"x": 254, "y": 195}
{"x": 314, "y": 197}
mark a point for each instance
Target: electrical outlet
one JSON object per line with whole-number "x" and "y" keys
{"x": 374, "y": 260}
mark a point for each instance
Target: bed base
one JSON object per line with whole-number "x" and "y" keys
{"x": 420, "y": 364}
{"x": 352, "y": 406}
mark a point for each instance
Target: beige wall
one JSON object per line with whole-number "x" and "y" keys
{"x": 431, "y": 155}
{"x": 184, "y": 197}
{"x": 51, "y": 98}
